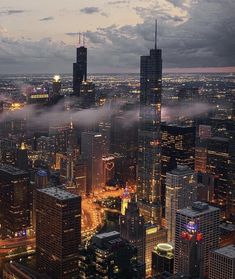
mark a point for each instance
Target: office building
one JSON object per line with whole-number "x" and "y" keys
{"x": 149, "y": 152}
{"x": 79, "y": 69}
{"x": 218, "y": 166}
{"x": 56, "y": 85}
{"x": 178, "y": 147}
{"x": 181, "y": 191}
{"x": 222, "y": 263}
{"x": 7, "y": 151}
{"x": 200, "y": 218}
{"x": 123, "y": 140}
{"x": 41, "y": 179}
{"x": 132, "y": 229}
{"x": 14, "y": 201}
{"x": 162, "y": 259}
{"x": 114, "y": 257}
{"x": 87, "y": 94}
{"x": 92, "y": 150}
{"x": 153, "y": 235}
{"x": 58, "y": 232}
{"x": 22, "y": 161}
{"x": 80, "y": 177}
{"x": 191, "y": 251}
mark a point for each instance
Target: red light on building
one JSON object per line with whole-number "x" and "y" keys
{"x": 199, "y": 237}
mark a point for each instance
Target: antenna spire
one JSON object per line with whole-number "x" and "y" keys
{"x": 156, "y": 34}
{"x": 79, "y": 39}
{"x": 84, "y": 40}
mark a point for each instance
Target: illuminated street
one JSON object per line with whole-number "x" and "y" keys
{"x": 92, "y": 213}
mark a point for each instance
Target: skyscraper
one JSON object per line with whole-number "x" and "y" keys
{"x": 22, "y": 157}
{"x": 79, "y": 69}
{"x": 92, "y": 148}
{"x": 181, "y": 191}
{"x": 114, "y": 257}
{"x": 14, "y": 201}
{"x": 149, "y": 154}
{"x": 58, "y": 232}
{"x": 132, "y": 229}
{"x": 222, "y": 263}
{"x": 153, "y": 235}
{"x": 202, "y": 218}
{"x": 162, "y": 259}
{"x": 218, "y": 158}
{"x": 191, "y": 245}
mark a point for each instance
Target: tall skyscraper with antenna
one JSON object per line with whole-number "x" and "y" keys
{"x": 80, "y": 66}
{"x": 149, "y": 156}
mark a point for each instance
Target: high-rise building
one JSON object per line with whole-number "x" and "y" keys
{"x": 14, "y": 201}
{"x": 218, "y": 166}
{"x": 178, "y": 147}
{"x": 22, "y": 157}
{"x": 205, "y": 219}
{"x": 132, "y": 229}
{"x": 149, "y": 153}
{"x": 87, "y": 94}
{"x": 222, "y": 263}
{"x": 79, "y": 69}
{"x": 123, "y": 140}
{"x": 181, "y": 191}
{"x": 92, "y": 150}
{"x": 80, "y": 177}
{"x": 114, "y": 257}
{"x": 153, "y": 235}
{"x": 58, "y": 232}
{"x": 191, "y": 248}
{"x": 56, "y": 85}
{"x": 41, "y": 179}
{"x": 162, "y": 259}
{"x": 7, "y": 151}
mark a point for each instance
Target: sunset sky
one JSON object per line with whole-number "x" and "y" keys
{"x": 41, "y": 36}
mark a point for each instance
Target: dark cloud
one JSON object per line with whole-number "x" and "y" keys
{"x": 47, "y": 18}
{"x": 201, "y": 37}
{"x": 90, "y": 10}
{"x": 11, "y": 12}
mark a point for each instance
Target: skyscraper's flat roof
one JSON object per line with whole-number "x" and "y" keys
{"x": 198, "y": 208}
{"x": 181, "y": 170}
{"x": 11, "y": 170}
{"x": 58, "y": 193}
{"x": 227, "y": 251}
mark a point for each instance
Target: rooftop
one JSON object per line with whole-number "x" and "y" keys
{"x": 198, "y": 208}
{"x": 11, "y": 170}
{"x": 106, "y": 235}
{"x": 227, "y": 251}
{"x": 181, "y": 170}
{"x": 58, "y": 193}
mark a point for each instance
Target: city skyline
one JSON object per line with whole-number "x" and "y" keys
{"x": 118, "y": 30}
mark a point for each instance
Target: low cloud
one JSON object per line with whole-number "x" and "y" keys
{"x": 57, "y": 115}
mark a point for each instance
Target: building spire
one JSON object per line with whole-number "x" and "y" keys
{"x": 156, "y": 34}
{"x": 84, "y": 40}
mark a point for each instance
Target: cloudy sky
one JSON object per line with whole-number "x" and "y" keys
{"x": 41, "y": 36}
